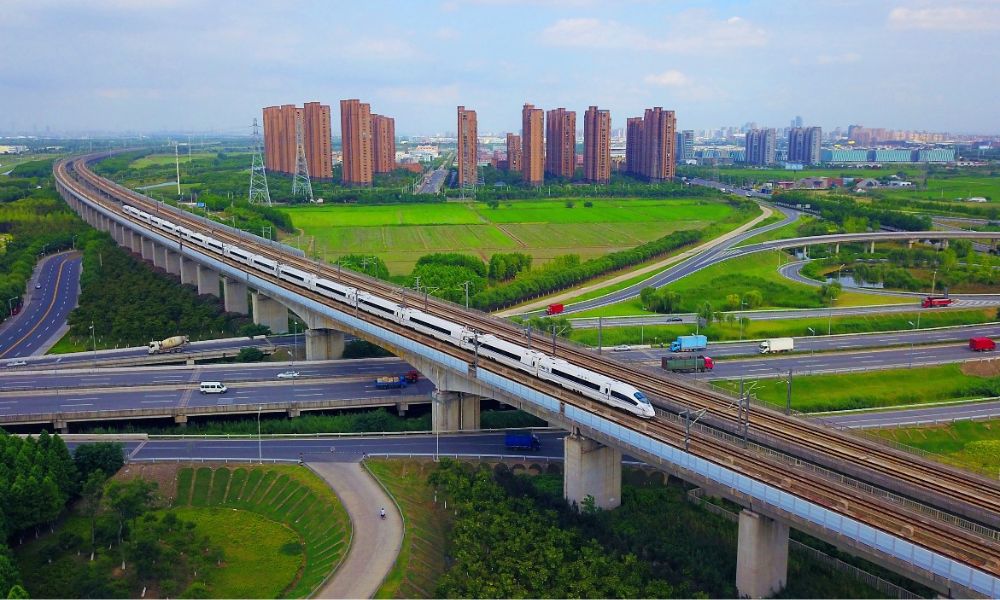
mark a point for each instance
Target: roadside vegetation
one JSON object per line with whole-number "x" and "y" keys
{"x": 968, "y": 444}
{"x": 875, "y": 389}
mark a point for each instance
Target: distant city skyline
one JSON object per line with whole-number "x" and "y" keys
{"x": 188, "y": 65}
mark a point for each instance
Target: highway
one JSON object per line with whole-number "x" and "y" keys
{"x": 140, "y": 354}
{"x": 183, "y": 396}
{"x": 914, "y": 416}
{"x": 684, "y": 268}
{"x": 335, "y": 448}
{"x": 433, "y": 180}
{"x": 146, "y": 376}
{"x": 41, "y": 320}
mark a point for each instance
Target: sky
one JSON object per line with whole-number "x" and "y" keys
{"x": 190, "y": 65}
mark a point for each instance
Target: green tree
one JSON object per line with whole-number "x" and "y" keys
{"x": 106, "y": 457}
{"x": 129, "y": 500}
{"x": 753, "y": 299}
{"x": 92, "y": 494}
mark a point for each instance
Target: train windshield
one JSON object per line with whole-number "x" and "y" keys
{"x": 641, "y": 398}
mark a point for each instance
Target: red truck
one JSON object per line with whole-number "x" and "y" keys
{"x": 932, "y": 302}
{"x": 412, "y": 376}
{"x": 554, "y": 309}
{"x": 982, "y": 344}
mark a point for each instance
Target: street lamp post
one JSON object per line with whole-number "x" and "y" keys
{"x": 911, "y": 343}
{"x": 93, "y": 337}
{"x": 812, "y": 333}
{"x": 743, "y": 304}
{"x": 260, "y": 447}
{"x": 10, "y": 308}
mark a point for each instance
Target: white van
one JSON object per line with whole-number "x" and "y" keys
{"x": 213, "y": 387}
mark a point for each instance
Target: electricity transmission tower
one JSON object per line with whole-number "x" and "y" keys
{"x": 300, "y": 182}
{"x": 259, "y": 193}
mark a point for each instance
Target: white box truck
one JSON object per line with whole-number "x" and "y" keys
{"x": 770, "y": 346}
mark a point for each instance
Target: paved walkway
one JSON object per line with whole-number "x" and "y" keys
{"x": 579, "y": 291}
{"x": 375, "y": 543}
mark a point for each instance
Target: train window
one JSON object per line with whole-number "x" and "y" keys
{"x": 576, "y": 379}
{"x": 509, "y": 355}
{"x": 330, "y": 289}
{"x": 430, "y": 326}
{"x": 377, "y": 307}
{"x": 641, "y": 397}
{"x": 622, "y": 397}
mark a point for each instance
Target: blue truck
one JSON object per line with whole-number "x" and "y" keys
{"x": 523, "y": 440}
{"x": 689, "y": 343}
{"x": 393, "y": 382}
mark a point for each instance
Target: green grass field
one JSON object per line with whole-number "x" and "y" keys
{"x": 652, "y": 334}
{"x": 159, "y": 160}
{"x": 968, "y": 444}
{"x": 950, "y": 188}
{"x": 422, "y": 557}
{"x": 400, "y": 234}
{"x": 739, "y": 275}
{"x": 317, "y": 529}
{"x": 883, "y": 388}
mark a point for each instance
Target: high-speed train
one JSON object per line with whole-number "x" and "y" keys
{"x": 538, "y": 364}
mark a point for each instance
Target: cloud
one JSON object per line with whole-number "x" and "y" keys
{"x": 671, "y": 78}
{"x": 447, "y": 34}
{"x": 711, "y": 34}
{"x": 946, "y": 18}
{"x": 838, "y": 59}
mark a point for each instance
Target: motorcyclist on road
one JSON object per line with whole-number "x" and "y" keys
{"x": 381, "y": 513}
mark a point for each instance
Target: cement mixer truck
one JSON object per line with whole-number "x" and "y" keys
{"x": 171, "y": 344}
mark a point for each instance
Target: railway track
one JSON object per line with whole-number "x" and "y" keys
{"x": 956, "y": 487}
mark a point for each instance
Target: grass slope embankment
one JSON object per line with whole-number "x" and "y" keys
{"x": 422, "y": 558}
{"x": 968, "y": 444}
{"x": 319, "y": 529}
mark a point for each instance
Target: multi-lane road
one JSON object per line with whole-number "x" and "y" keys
{"x": 52, "y": 294}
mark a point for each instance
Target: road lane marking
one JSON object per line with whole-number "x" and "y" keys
{"x": 42, "y": 320}
{"x": 76, "y": 405}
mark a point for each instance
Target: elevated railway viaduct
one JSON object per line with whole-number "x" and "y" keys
{"x": 936, "y": 524}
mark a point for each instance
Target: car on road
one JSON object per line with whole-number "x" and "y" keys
{"x": 38, "y": 286}
{"x": 288, "y": 375}
{"x": 622, "y": 348}
{"x": 17, "y": 363}
{"x": 213, "y": 387}
{"x": 674, "y": 319}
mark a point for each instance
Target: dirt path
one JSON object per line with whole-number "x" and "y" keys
{"x": 573, "y": 293}
{"x": 375, "y": 543}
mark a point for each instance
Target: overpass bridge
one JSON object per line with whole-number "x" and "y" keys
{"x": 872, "y": 237}
{"x": 931, "y": 522}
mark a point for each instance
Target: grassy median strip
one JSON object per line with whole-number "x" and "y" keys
{"x": 891, "y": 387}
{"x": 718, "y": 332}
{"x": 421, "y": 559}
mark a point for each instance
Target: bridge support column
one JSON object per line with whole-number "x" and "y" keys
{"x": 871, "y": 248}
{"x": 401, "y": 408}
{"x": 173, "y": 262}
{"x": 836, "y": 249}
{"x": 762, "y": 556}
{"x": 270, "y": 312}
{"x": 454, "y": 411}
{"x": 591, "y": 469}
{"x": 909, "y": 243}
{"x": 189, "y": 270}
{"x": 134, "y": 242}
{"x": 324, "y": 344}
{"x": 294, "y": 412}
{"x": 60, "y": 426}
{"x": 235, "y": 295}
{"x": 805, "y": 252}
{"x": 160, "y": 256}
{"x": 944, "y": 244}
{"x": 181, "y": 420}
{"x": 147, "y": 249}
{"x": 208, "y": 281}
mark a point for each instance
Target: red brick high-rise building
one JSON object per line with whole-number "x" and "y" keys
{"x": 597, "y": 145}
{"x": 468, "y": 147}
{"x": 513, "y": 152}
{"x": 532, "y": 145}
{"x": 383, "y": 144}
{"x": 356, "y": 133}
{"x": 280, "y": 123}
{"x": 659, "y": 135}
{"x": 317, "y": 140}
{"x": 560, "y": 143}
{"x": 633, "y": 146}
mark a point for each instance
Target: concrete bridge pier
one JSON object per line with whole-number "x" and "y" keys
{"x": 454, "y": 411}
{"x": 235, "y": 295}
{"x": 268, "y": 311}
{"x": 61, "y": 426}
{"x": 173, "y": 262}
{"x": 836, "y": 248}
{"x": 208, "y": 281}
{"x": 181, "y": 420}
{"x": 910, "y": 243}
{"x": 147, "y": 249}
{"x": 160, "y": 256}
{"x": 189, "y": 270}
{"x": 871, "y": 248}
{"x": 761, "y": 556}
{"x": 591, "y": 469}
{"x": 134, "y": 241}
{"x": 324, "y": 344}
